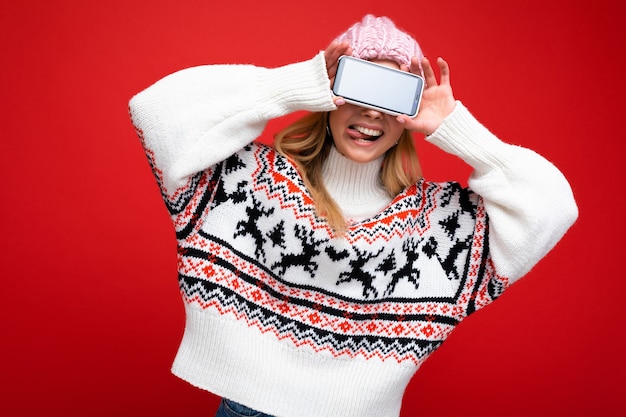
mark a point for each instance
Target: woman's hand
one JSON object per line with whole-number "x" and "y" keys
{"x": 332, "y": 54}
{"x": 437, "y": 100}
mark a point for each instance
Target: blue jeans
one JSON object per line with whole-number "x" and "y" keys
{"x": 232, "y": 409}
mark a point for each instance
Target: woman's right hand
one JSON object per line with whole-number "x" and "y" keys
{"x": 332, "y": 54}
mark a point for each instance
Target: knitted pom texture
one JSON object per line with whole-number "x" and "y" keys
{"x": 379, "y": 38}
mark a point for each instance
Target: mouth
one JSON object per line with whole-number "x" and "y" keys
{"x": 360, "y": 133}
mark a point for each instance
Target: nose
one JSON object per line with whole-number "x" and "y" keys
{"x": 371, "y": 113}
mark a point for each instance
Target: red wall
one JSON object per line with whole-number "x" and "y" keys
{"x": 90, "y": 312}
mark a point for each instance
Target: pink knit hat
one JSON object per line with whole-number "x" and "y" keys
{"x": 379, "y": 38}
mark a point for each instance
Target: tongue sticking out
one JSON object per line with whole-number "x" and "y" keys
{"x": 363, "y": 133}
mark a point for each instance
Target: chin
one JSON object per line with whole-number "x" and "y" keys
{"x": 361, "y": 157}
{"x": 359, "y": 153}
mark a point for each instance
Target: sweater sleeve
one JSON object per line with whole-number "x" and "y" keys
{"x": 528, "y": 201}
{"x": 194, "y": 118}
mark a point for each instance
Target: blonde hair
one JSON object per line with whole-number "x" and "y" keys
{"x": 307, "y": 144}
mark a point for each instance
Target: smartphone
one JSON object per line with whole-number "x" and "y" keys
{"x": 378, "y": 87}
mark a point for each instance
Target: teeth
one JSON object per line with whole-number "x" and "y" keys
{"x": 368, "y": 132}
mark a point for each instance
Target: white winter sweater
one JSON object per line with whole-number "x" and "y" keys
{"x": 288, "y": 320}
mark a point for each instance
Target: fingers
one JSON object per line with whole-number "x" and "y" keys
{"x": 415, "y": 67}
{"x": 444, "y": 71}
{"x": 334, "y": 51}
{"x": 429, "y": 72}
{"x": 332, "y": 54}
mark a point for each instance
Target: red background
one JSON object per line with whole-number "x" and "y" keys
{"x": 90, "y": 312}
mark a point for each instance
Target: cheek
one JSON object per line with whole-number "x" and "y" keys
{"x": 336, "y": 119}
{"x": 390, "y": 142}
{"x": 342, "y": 113}
{"x": 396, "y": 129}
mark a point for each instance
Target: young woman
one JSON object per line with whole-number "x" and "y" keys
{"x": 320, "y": 273}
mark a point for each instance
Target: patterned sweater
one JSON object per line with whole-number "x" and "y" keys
{"x": 285, "y": 318}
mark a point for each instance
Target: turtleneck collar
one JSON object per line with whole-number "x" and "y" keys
{"x": 356, "y": 187}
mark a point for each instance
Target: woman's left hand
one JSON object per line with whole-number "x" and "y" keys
{"x": 437, "y": 99}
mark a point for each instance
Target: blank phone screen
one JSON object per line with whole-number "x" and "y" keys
{"x": 366, "y": 83}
